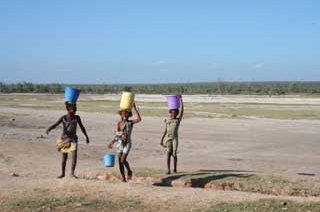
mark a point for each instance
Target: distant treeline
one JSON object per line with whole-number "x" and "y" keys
{"x": 245, "y": 88}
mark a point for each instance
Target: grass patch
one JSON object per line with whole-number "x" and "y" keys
{"x": 275, "y": 185}
{"x": 148, "y": 172}
{"x": 265, "y": 205}
{"x": 41, "y": 190}
{"x": 74, "y": 203}
{"x": 158, "y": 109}
{"x": 257, "y": 110}
{"x": 236, "y": 181}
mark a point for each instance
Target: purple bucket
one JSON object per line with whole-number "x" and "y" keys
{"x": 173, "y": 102}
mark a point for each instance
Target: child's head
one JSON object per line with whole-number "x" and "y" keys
{"x": 125, "y": 114}
{"x": 71, "y": 108}
{"x": 174, "y": 113}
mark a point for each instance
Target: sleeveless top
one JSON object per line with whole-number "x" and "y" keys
{"x": 172, "y": 126}
{"x": 70, "y": 129}
{"x": 128, "y": 129}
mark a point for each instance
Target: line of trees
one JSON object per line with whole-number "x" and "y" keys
{"x": 245, "y": 88}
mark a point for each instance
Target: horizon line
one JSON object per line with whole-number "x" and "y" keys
{"x": 169, "y": 83}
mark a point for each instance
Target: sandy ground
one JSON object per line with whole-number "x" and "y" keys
{"x": 262, "y": 146}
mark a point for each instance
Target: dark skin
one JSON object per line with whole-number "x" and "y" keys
{"x": 71, "y": 115}
{"x": 174, "y": 114}
{"x": 123, "y": 163}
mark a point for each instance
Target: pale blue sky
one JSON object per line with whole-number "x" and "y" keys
{"x": 81, "y": 41}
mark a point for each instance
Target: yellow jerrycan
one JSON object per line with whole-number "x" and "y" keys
{"x": 127, "y": 100}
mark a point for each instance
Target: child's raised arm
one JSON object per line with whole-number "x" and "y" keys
{"x": 135, "y": 121}
{"x": 54, "y": 125}
{"x": 83, "y": 129}
{"x": 182, "y": 109}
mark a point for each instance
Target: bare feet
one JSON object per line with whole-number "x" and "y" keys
{"x": 168, "y": 172}
{"x": 124, "y": 180}
{"x": 61, "y": 176}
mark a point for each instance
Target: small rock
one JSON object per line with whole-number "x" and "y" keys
{"x": 41, "y": 137}
{"x": 15, "y": 175}
{"x": 218, "y": 187}
{"x": 188, "y": 184}
{"x": 157, "y": 182}
{"x": 102, "y": 177}
{"x": 208, "y": 186}
{"x": 48, "y": 209}
{"x": 228, "y": 186}
{"x": 181, "y": 183}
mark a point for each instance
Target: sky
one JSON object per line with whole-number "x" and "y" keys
{"x": 101, "y": 41}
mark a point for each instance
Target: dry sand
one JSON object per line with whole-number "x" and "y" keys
{"x": 261, "y": 146}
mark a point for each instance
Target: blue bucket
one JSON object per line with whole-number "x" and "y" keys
{"x": 109, "y": 159}
{"x": 71, "y": 95}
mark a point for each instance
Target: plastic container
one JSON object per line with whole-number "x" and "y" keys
{"x": 109, "y": 159}
{"x": 71, "y": 95}
{"x": 173, "y": 102}
{"x": 127, "y": 99}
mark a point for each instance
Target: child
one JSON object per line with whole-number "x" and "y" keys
{"x": 69, "y": 138}
{"x": 123, "y": 139}
{"x": 169, "y": 139}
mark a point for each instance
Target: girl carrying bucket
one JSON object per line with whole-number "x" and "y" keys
{"x": 123, "y": 135}
{"x": 170, "y": 136}
{"x": 68, "y": 142}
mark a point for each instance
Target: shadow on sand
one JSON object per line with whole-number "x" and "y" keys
{"x": 200, "y": 178}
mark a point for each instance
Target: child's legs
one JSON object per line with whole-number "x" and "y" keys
{"x": 168, "y": 160}
{"x": 74, "y": 161}
{"x": 121, "y": 167}
{"x": 126, "y": 163}
{"x": 175, "y": 162}
{"x": 174, "y": 154}
{"x": 169, "y": 153}
{"x": 63, "y": 164}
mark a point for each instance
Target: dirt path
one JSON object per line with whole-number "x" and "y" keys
{"x": 258, "y": 146}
